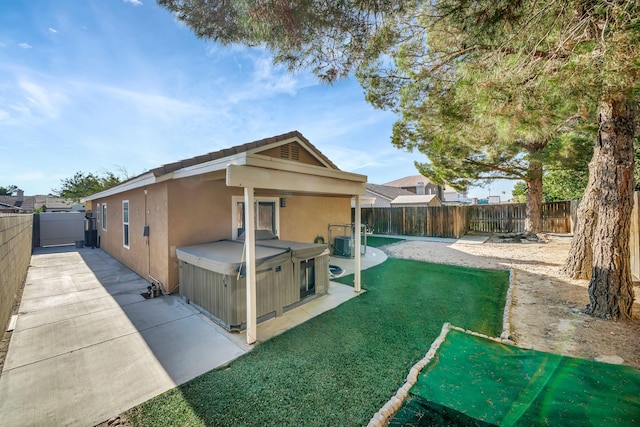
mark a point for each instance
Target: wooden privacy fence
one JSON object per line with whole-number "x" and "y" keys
{"x": 510, "y": 218}
{"x": 455, "y": 221}
{"x": 440, "y": 221}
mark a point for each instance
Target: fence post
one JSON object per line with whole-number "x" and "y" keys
{"x": 36, "y": 231}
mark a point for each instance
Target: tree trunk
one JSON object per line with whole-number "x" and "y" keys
{"x": 533, "y": 219}
{"x": 611, "y": 288}
{"x": 579, "y": 262}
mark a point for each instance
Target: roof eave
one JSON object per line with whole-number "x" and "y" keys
{"x": 140, "y": 181}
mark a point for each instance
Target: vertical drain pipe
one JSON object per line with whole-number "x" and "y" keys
{"x": 146, "y": 233}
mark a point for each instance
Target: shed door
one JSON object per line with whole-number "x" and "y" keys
{"x": 307, "y": 278}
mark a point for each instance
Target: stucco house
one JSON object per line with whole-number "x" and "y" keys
{"x": 281, "y": 186}
{"x": 383, "y": 195}
{"x": 416, "y": 200}
{"x": 417, "y": 184}
{"x": 420, "y": 185}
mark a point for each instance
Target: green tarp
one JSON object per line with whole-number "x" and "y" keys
{"x": 473, "y": 378}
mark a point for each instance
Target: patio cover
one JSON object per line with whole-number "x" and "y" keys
{"x": 262, "y": 173}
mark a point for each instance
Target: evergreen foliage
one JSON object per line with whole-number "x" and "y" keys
{"x": 8, "y": 190}
{"x": 84, "y": 184}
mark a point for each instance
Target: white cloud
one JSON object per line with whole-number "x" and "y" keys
{"x": 349, "y": 159}
{"x": 28, "y": 100}
{"x": 134, "y": 2}
{"x": 41, "y": 100}
{"x": 267, "y": 81}
{"x": 25, "y": 45}
{"x": 53, "y": 30}
{"x": 274, "y": 78}
{"x": 153, "y": 103}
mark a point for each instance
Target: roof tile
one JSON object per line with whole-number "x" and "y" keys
{"x": 242, "y": 148}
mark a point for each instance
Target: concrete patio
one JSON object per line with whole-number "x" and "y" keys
{"x": 87, "y": 346}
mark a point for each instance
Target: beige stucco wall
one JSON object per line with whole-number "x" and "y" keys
{"x": 199, "y": 212}
{"x": 136, "y": 256}
{"x": 306, "y": 217}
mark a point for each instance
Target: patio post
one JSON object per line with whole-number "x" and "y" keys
{"x": 250, "y": 264}
{"x": 358, "y": 236}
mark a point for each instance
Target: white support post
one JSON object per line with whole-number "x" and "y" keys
{"x": 358, "y": 237}
{"x": 250, "y": 265}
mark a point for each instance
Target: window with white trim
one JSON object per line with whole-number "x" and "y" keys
{"x": 267, "y": 212}
{"x": 104, "y": 217}
{"x": 125, "y": 223}
{"x": 98, "y": 213}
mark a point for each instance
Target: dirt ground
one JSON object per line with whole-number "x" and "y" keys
{"x": 545, "y": 310}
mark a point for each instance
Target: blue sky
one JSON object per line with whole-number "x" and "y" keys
{"x": 99, "y": 85}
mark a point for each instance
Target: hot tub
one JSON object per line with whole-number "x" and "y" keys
{"x": 287, "y": 274}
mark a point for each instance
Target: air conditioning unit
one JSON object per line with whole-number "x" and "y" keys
{"x": 342, "y": 246}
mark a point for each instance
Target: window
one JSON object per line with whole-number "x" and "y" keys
{"x": 125, "y": 223}
{"x": 266, "y": 211}
{"x": 98, "y": 213}
{"x": 104, "y": 216}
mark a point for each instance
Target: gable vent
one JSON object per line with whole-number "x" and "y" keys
{"x": 295, "y": 152}
{"x": 284, "y": 151}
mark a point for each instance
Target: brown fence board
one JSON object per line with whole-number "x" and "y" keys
{"x": 455, "y": 221}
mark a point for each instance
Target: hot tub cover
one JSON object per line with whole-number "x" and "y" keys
{"x": 225, "y": 256}
{"x": 299, "y": 250}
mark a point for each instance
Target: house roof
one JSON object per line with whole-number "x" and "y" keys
{"x": 409, "y": 181}
{"x": 386, "y": 191}
{"x": 27, "y": 203}
{"x": 53, "y": 203}
{"x": 238, "y": 149}
{"x": 413, "y": 180}
{"x": 414, "y": 199}
{"x": 241, "y": 163}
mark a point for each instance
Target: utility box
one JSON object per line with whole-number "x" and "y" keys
{"x": 343, "y": 246}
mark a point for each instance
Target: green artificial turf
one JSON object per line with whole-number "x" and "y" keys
{"x": 376, "y": 241}
{"x": 339, "y": 368}
{"x": 504, "y": 385}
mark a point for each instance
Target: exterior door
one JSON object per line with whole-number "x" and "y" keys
{"x": 266, "y": 215}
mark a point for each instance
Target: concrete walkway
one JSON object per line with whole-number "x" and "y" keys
{"x": 87, "y": 346}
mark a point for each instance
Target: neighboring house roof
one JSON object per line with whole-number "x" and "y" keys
{"x": 54, "y": 203}
{"x": 409, "y": 181}
{"x": 26, "y": 204}
{"x": 5, "y": 207}
{"x": 415, "y": 199}
{"x": 387, "y": 192}
{"x": 30, "y": 203}
{"x": 250, "y": 156}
